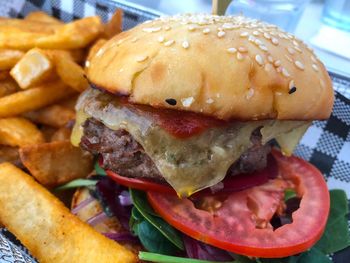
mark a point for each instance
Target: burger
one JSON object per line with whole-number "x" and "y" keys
{"x": 193, "y": 118}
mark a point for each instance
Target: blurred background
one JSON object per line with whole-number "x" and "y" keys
{"x": 323, "y": 24}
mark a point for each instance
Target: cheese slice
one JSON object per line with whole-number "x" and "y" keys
{"x": 188, "y": 165}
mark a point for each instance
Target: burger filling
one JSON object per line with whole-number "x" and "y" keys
{"x": 135, "y": 142}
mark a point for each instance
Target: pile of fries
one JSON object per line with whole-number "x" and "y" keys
{"x": 41, "y": 75}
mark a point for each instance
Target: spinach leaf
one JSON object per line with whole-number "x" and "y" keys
{"x": 153, "y": 240}
{"x": 139, "y": 199}
{"x": 169, "y": 259}
{"x": 76, "y": 183}
{"x": 336, "y": 235}
{"x": 313, "y": 256}
{"x": 289, "y": 194}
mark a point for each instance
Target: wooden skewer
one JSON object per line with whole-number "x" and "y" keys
{"x": 219, "y": 6}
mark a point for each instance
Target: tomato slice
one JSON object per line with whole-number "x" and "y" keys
{"x": 241, "y": 222}
{"x": 140, "y": 184}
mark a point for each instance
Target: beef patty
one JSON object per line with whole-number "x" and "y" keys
{"x": 122, "y": 154}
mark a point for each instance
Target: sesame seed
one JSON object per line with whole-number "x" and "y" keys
{"x": 267, "y": 36}
{"x": 259, "y": 59}
{"x": 171, "y": 102}
{"x": 295, "y": 43}
{"x": 239, "y": 56}
{"x": 279, "y": 69}
{"x": 209, "y": 101}
{"x": 134, "y": 40}
{"x": 249, "y": 94}
{"x": 256, "y": 33}
{"x": 186, "y": 102}
{"x": 169, "y": 43}
{"x": 244, "y": 34}
{"x": 275, "y": 41}
{"x": 185, "y": 44}
{"x": 285, "y": 72}
{"x": 313, "y": 59}
{"x": 232, "y": 50}
{"x": 242, "y": 49}
{"x": 258, "y": 42}
{"x": 218, "y": 95}
{"x": 228, "y": 26}
{"x": 277, "y": 63}
{"x": 314, "y": 66}
{"x": 299, "y": 65}
{"x": 288, "y": 58}
{"x": 206, "y": 30}
{"x": 291, "y": 84}
{"x": 191, "y": 28}
{"x": 167, "y": 28}
{"x": 251, "y": 38}
{"x": 141, "y": 58}
{"x": 161, "y": 39}
{"x": 291, "y": 50}
{"x": 292, "y": 90}
{"x": 298, "y": 49}
{"x": 221, "y": 34}
{"x": 263, "y": 47}
{"x": 278, "y": 93}
{"x": 270, "y": 59}
{"x": 151, "y": 29}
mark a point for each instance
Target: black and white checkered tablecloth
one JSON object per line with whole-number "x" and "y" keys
{"x": 326, "y": 144}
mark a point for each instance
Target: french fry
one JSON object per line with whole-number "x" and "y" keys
{"x": 7, "y": 87}
{"x": 77, "y": 34}
{"x": 56, "y": 163}
{"x": 4, "y": 75}
{"x": 19, "y": 132}
{"x": 70, "y": 72}
{"x": 9, "y": 57}
{"x": 40, "y": 16}
{"x": 54, "y": 115}
{"x": 62, "y": 134}
{"x": 33, "y": 99}
{"x": 10, "y": 154}
{"x": 115, "y": 25}
{"x": 34, "y": 67}
{"x": 47, "y": 228}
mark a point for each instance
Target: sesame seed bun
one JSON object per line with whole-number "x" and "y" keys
{"x": 229, "y": 67}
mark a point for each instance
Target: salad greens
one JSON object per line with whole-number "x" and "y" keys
{"x": 170, "y": 259}
{"x": 155, "y": 234}
{"x": 99, "y": 170}
{"x": 289, "y": 194}
{"x": 336, "y": 236}
{"x": 77, "y": 183}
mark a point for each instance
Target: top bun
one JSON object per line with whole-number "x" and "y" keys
{"x": 228, "y": 67}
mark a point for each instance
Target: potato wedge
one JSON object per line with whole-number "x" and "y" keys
{"x": 62, "y": 134}
{"x": 70, "y": 72}
{"x": 34, "y": 67}
{"x": 18, "y": 131}
{"x": 43, "y": 17}
{"x": 115, "y": 25}
{"x": 8, "y": 86}
{"x": 56, "y": 163}
{"x": 77, "y": 34}
{"x": 33, "y": 99}
{"x": 54, "y": 115}
{"x": 47, "y": 228}
{"x": 9, "y": 57}
{"x": 10, "y": 154}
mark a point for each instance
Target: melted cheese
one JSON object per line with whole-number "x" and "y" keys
{"x": 188, "y": 165}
